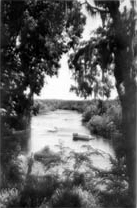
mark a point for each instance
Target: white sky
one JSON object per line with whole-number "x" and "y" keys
{"x": 59, "y": 87}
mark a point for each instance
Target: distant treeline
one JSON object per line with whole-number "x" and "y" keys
{"x": 41, "y": 106}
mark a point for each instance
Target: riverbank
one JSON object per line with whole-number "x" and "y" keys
{"x": 103, "y": 118}
{"x": 48, "y": 178}
{"x": 66, "y": 122}
{"x": 58, "y": 127}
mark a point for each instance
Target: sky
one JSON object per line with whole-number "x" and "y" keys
{"x": 59, "y": 87}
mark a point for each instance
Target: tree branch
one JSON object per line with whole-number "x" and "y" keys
{"x": 95, "y": 8}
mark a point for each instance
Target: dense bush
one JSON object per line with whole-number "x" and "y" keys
{"x": 103, "y": 118}
{"x": 101, "y": 125}
{"x": 89, "y": 112}
{"x": 75, "y": 197}
{"x": 115, "y": 114}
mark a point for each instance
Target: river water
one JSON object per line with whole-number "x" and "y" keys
{"x": 57, "y": 127}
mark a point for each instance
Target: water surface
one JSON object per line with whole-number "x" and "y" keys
{"x": 57, "y": 127}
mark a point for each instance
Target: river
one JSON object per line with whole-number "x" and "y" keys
{"x": 57, "y": 127}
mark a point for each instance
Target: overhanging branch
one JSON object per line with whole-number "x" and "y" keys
{"x": 95, "y": 8}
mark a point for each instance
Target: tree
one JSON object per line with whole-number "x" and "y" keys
{"x": 113, "y": 50}
{"x": 35, "y": 34}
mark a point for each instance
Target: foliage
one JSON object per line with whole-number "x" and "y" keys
{"x": 8, "y": 195}
{"x": 76, "y": 197}
{"x": 89, "y": 112}
{"x": 104, "y": 118}
{"x": 30, "y": 48}
{"x": 51, "y": 105}
{"x": 101, "y": 117}
{"x": 12, "y": 146}
{"x": 115, "y": 114}
{"x": 34, "y": 37}
{"x": 78, "y": 185}
{"x": 98, "y": 125}
{"x": 96, "y": 61}
{"x": 111, "y": 51}
{"x": 48, "y": 158}
{"x": 11, "y": 174}
{"x": 86, "y": 66}
{"x": 37, "y": 189}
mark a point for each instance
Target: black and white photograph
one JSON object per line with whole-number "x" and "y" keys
{"x": 68, "y": 100}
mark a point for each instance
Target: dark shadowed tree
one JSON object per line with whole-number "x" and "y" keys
{"x": 35, "y": 34}
{"x": 112, "y": 50}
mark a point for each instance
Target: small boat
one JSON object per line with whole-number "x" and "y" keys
{"x": 55, "y": 129}
{"x": 81, "y": 137}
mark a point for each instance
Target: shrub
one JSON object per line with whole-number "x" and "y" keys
{"x": 104, "y": 118}
{"x": 47, "y": 157}
{"x": 101, "y": 125}
{"x": 9, "y": 197}
{"x": 11, "y": 171}
{"x": 89, "y": 112}
{"x": 75, "y": 197}
{"x": 115, "y": 114}
{"x": 38, "y": 189}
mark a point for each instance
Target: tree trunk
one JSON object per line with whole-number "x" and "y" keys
{"x": 126, "y": 83}
{"x": 127, "y": 90}
{"x": 129, "y": 132}
{"x": 130, "y": 113}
